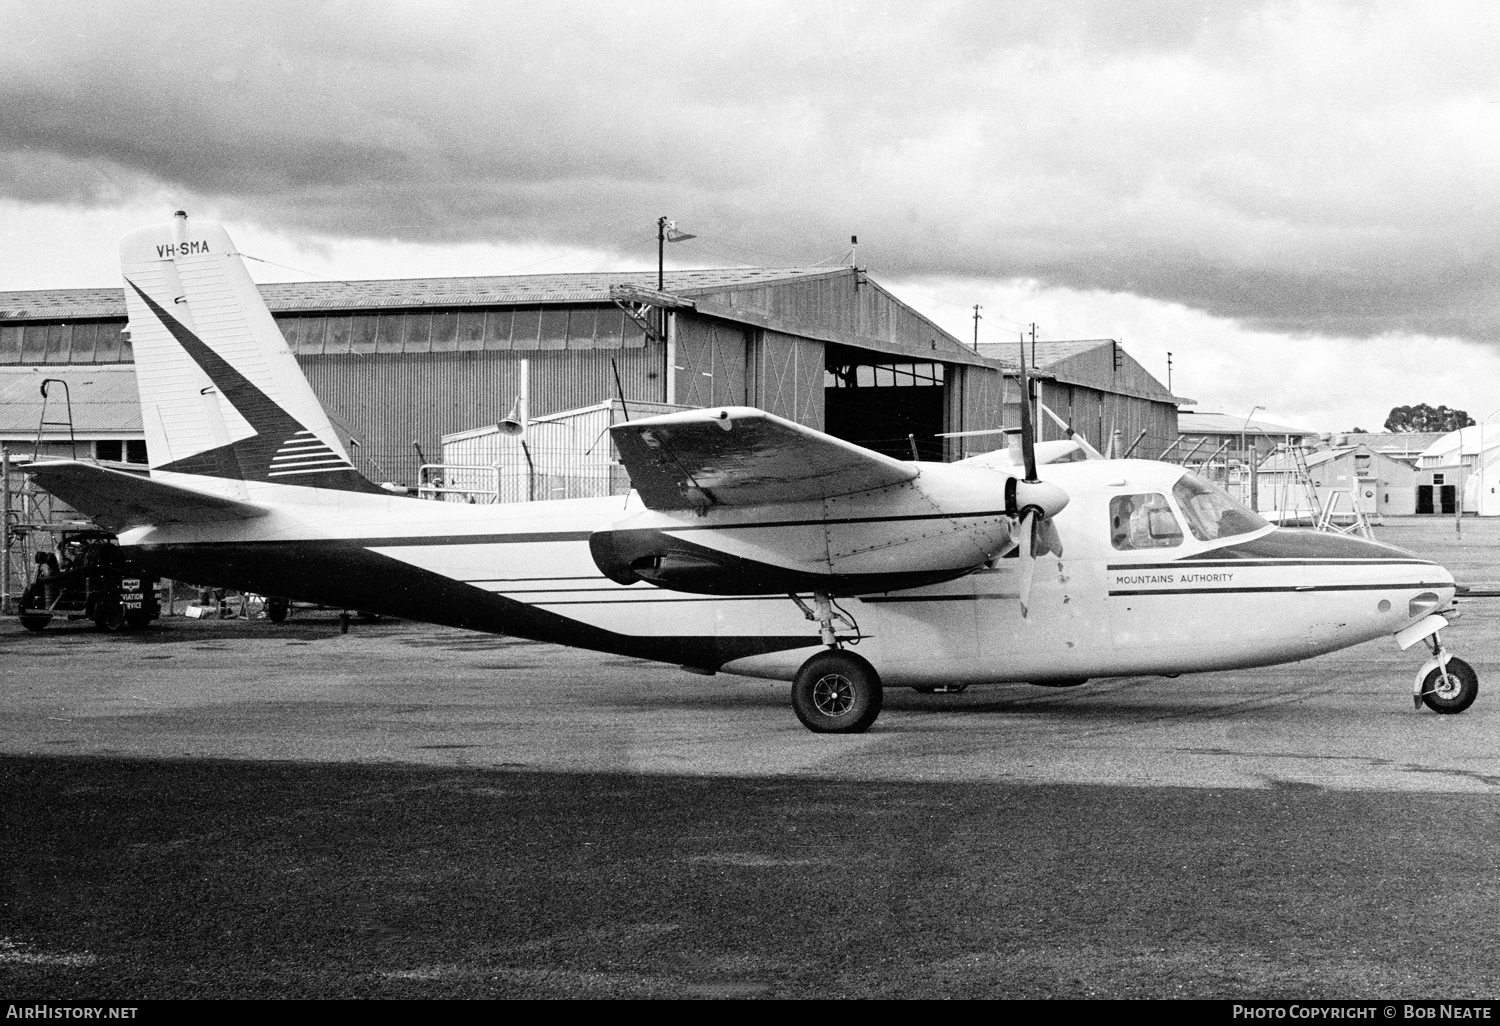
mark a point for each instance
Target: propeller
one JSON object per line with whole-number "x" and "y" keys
{"x": 1032, "y": 501}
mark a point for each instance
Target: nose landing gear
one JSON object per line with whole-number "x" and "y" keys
{"x": 1445, "y": 684}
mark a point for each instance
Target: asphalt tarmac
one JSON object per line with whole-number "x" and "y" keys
{"x": 241, "y": 809}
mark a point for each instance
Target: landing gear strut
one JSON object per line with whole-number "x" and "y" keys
{"x": 825, "y": 616}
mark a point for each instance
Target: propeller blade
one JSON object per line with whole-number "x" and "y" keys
{"x": 1083, "y": 443}
{"x": 1047, "y": 539}
{"x": 1028, "y": 561}
{"x": 1028, "y": 436}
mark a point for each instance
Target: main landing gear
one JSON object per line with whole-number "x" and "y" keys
{"x": 835, "y": 692}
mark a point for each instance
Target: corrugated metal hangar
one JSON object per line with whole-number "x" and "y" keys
{"x": 1099, "y": 389}
{"x": 401, "y": 363}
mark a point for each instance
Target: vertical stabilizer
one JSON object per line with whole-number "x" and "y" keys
{"x": 222, "y": 396}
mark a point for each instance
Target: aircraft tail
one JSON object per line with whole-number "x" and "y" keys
{"x": 222, "y": 396}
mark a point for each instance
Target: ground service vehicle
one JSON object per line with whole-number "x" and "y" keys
{"x": 89, "y": 577}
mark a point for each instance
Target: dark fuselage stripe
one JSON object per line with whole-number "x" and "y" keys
{"x": 830, "y": 521}
{"x": 991, "y": 597}
{"x": 583, "y": 536}
{"x": 530, "y": 580}
{"x": 1289, "y": 589}
{"x": 633, "y": 600}
{"x": 1232, "y": 564}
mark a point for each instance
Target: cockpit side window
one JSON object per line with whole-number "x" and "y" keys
{"x": 1211, "y": 512}
{"x": 1142, "y": 522}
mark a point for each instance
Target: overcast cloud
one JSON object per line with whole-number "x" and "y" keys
{"x": 1285, "y": 170}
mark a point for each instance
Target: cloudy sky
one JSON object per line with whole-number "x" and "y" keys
{"x": 1297, "y": 200}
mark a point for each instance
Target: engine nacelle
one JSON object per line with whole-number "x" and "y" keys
{"x": 947, "y": 523}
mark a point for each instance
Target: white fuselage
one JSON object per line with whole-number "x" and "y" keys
{"x": 1095, "y": 611}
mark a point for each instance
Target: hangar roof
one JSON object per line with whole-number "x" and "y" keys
{"x": 1227, "y": 424}
{"x": 490, "y": 290}
{"x": 104, "y": 400}
{"x": 833, "y": 304}
{"x": 1094, "y": 363}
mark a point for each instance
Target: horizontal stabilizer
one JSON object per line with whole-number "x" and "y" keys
{"x": 116, "y": 500}
{"x": 1064, "y": 451}
{"x": 739, "y": 456}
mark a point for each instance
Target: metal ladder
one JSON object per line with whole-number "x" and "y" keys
{"x": 1304, "y": 476}
{"x": 43, "y": 423}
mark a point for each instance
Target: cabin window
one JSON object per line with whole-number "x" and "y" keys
{"x": 1142, "y": 522}
{"x": 1211, "y": 512}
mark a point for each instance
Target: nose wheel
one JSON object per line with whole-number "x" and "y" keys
{"x": 1450, "y": 687}
{"x": 1446, "y": 684}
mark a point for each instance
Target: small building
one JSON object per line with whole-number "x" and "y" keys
{"x": 1370, "y": 481}
{"x": 1461, "y": 467}
{"x": 1208, "y": 432}
{"x": 1406, "y": 446}
{"x": 566, "y": 455}
{"x": 1227, "y": 449}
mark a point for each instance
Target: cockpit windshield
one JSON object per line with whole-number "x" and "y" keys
{"x": 1211, "y": 512}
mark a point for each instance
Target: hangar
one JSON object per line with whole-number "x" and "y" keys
{"x": 1098, "y": 388}
{"x": 400, "y": 364}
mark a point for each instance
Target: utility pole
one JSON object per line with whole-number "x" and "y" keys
{"x": 1169, "y": 370}
{"x": 977, "y": 319}
{"x": 661, "y": 254}
{"x": 4, "y": 531}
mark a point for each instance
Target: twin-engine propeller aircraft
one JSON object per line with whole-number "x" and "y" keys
{"x": 750, "y": 545}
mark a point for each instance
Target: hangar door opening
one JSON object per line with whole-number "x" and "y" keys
{"x": 878, "y": 401}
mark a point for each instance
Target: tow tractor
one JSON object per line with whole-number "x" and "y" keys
{"x": 90, "y": 578}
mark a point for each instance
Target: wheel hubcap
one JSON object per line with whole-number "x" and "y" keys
{"x": 833, "y": 694}
{"x": 1447, "y": 685}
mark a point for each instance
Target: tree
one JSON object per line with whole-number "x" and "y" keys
{"x": 1422, "y": 417}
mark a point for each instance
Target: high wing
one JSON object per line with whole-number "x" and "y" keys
{"x": 739, "y": 456}
{"x": 742, "y": 502}
{"x": 116, "y": 500}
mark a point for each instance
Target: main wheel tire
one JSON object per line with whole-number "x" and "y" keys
{"x": 33, "y": 621}
{"x": 109, "y": 616}
{"x": 277, "y": 608}
{"x": 837, "y": 693}
{"x": 1456, "y": 693}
